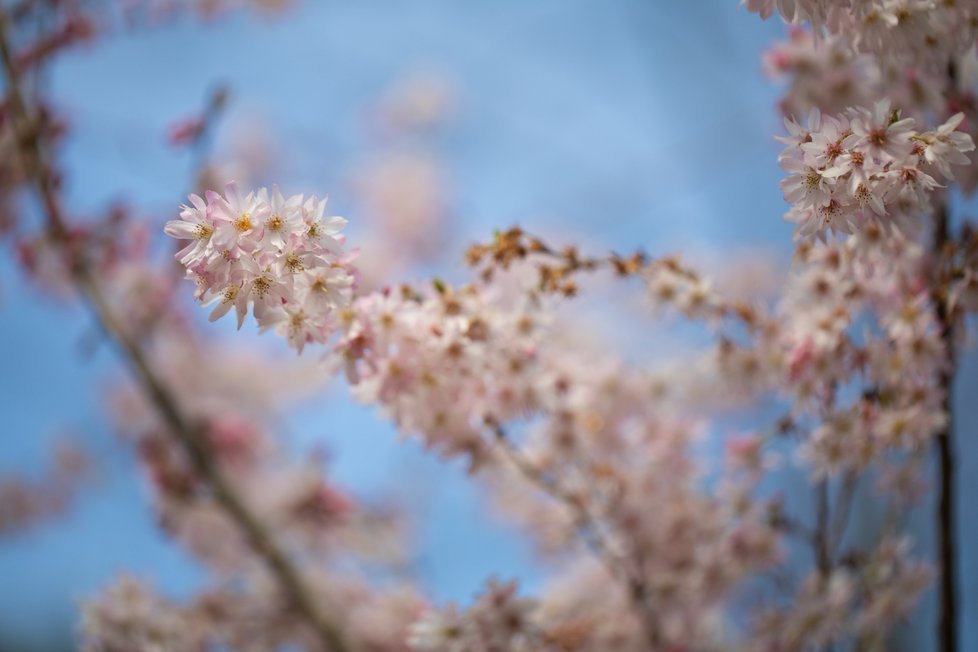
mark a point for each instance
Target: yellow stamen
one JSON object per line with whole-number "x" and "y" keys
{"x": 243, "y": 223}
{"x": 294, "y": 263}
{"x": 261, "y": 285}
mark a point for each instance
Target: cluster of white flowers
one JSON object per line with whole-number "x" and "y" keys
{"x": 844, "y": 288}
{"x": 279, "y": 256}
{"x": 919, "y": 31}
{"x": 441, "y": 365}
{"x": 824, "y": 610}
{"x": 825, "y": 72}
{"x": 865, "y": 165}
{"x": 856, "y": 314}
{"x": 499, "y": 620}
{"x": 131, "y": 617}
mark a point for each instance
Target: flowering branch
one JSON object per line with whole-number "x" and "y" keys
{"x": 866, "y": 167}
{"x": 669, "y": 280}
{"x": 183, "y": 429}
{"x": 592, "y": 530}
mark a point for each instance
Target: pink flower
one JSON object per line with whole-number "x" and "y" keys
{"x": 279, "y": 257}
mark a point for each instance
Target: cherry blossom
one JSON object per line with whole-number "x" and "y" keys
{"x": 865, "y": 166}
{"x": 281, "y": 258}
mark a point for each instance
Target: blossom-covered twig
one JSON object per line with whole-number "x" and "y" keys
{"x": 670, "y": 281}
{"x": 23, "y": 503}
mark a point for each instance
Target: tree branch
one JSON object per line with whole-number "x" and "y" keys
{"x": 842, "y": 510}
{"x": 946, "y": 521}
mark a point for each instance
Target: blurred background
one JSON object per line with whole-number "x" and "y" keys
{"x": 616, "y": 125}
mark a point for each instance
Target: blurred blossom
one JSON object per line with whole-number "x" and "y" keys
{"x": 25, "y": 501}
{"x": 420, "y": 101}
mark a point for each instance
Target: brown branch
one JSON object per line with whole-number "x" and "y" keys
{"x": 945, "y": 518}
{"x": 820, "y": 542}
{"x": 188, "y": 433}
{"x": 842, "y": 511}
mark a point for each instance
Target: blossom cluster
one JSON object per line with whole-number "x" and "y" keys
{"x": 282, "y": 258}
{"x": 468, "y": 369}
{"x": 865, "y": 165}
{"x": 499, "y": 620}
{"x": 859, "y": 315}
{"x": 824, "y": 72}
{"x": 130, "y": 615}
{"x": 855, "y": 350}
{"x": 609, "y": 440}
{"x": 25, "y": 502}
{"x": 927, "y": 32}
{"x": 443, "y": 363}
{"x": 840, "y": 604}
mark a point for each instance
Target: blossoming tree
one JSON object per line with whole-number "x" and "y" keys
{"x": 656, "y": 547}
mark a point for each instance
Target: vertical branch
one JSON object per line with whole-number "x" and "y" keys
{"x": 822, "y": 540}
{"x": 946, "y": 533}
{"x": 823, "y": 558}
{"x": 946, "y": 522}
{"x": 843, "y": 508}
{"x": 946, "y": 526}
{"x": 26, "y": 125}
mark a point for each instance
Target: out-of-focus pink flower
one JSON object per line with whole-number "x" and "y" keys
{"x": 185, "y": 132}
